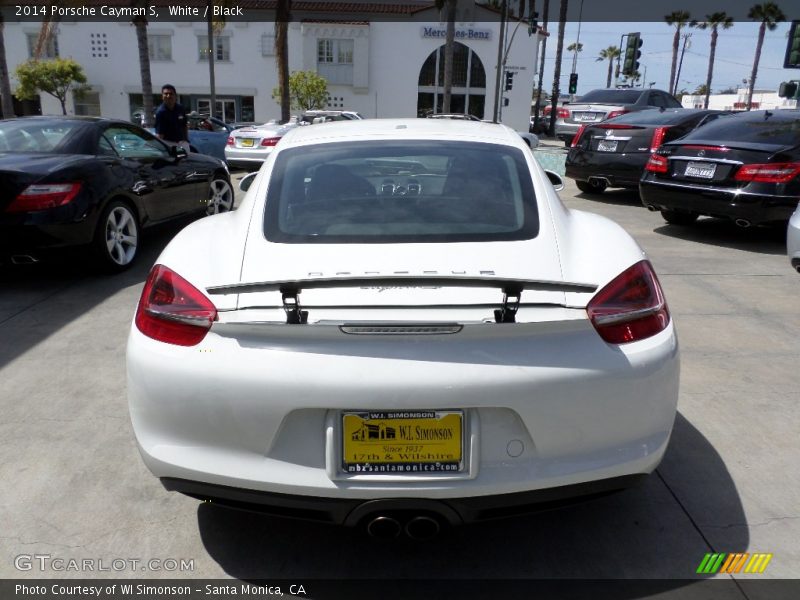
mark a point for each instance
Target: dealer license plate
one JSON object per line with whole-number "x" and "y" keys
{"x": 412, "y": 441}
{"x": 248, "y": 142}
{"x": 700, "y": 169}
{"x": 607, "y": 146}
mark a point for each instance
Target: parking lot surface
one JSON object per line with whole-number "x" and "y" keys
{"x": 74, "y": 486}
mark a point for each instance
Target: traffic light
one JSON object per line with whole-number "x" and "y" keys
{"x": 533, "y": 22}
{"x": 789, "y": 89}
{"x": 630, "y": 64}
{"x": 792, "y": 60}
{"x": 573, "y": 83}
{"x": 509, "y": 80}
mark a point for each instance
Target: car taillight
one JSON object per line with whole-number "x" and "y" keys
{"x": 562, "y": 113}
{"x": 768, "y": 173}
{"x": 616, "y": 113}
{"x": 547, "y": 110}
{"x": 270, "y": 141}
{"x": 631, "y": 307}
{"x": 230, "y": 141}
{"x": 43, "y": 196}
{"x": 656, "y": 164}
{"x": 172, "y": 310}
{"x": 577, "y": 137}
{"x": 658, "y": 138}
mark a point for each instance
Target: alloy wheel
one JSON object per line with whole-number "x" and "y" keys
{"x": 121, "y": 235}
{"x": 220, "y": 197}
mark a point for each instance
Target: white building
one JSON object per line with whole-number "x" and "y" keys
{"x": 762, "y": 100}
{"x": 381, "y": 61}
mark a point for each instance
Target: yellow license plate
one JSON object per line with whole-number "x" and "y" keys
{"x": 248, "y": 143}
{"x": 415, "y": 441}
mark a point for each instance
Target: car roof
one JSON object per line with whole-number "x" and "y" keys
{"x": 418, "y": 129}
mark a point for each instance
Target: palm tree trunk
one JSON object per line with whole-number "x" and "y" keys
{"x": 562, "y": 18}
{"x": 140, "y": 23}
{"x": 675, "y": 41}
{"x": 610, "y": 68}
{"x": 282, "y": 16}
{"x": 761, "y": 32}
{"x": 5, "y": 81}
{"x": 545, "y": 16}
{"x": 448, "y": 55}
{"x": 714, "y": 34}
{"x": 212, "y": 85}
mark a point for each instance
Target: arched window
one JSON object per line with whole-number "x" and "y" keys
{"x": 468, "y": 93}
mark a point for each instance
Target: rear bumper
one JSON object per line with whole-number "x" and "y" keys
{"x": 350, "y": 512}
{"x": 246, "y": 159}
{"x": 548, "y": 407}
{"x": 731, "y": 204}
{"x": 619, "y": 170}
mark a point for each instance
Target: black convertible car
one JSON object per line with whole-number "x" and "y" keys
{"x": 80, "y": 181}
{"x": 744, "y": 167}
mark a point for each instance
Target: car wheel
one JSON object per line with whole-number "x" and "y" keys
{"x": 594, "y": 186}
{"x": 116, "y": 241}
{"x": 220, "y": 196}
{"x": 676, "y": 217}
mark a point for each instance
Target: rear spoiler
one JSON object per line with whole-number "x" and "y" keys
{"x": 512, "y": 289}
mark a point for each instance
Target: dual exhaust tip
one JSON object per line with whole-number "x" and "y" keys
{"x": 388, "y": 527}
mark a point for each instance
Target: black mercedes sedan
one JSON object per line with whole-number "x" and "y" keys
{"x": 744, "y": 167}
{"x": 614, "y": 153}
{"x": 82, "y": 181}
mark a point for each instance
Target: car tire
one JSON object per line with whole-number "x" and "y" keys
{"x": 116, "y": 241}
{"x": 594, "y": 186}
{"x": 220, "y": 196}
{"x": 676, "y": 217}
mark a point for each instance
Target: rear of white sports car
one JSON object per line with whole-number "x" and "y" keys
{"x": 401, "y": 326}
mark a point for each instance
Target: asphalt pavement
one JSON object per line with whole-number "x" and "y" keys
{"x": 75, "y": 487}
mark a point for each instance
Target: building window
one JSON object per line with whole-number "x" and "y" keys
{"x": 159, "y": 47}
{"x": 222, "y": 47}
{"x": 267, "y": 44}
{"x": 335, "y": 61}
{"x": 99, "y": 44}
{"x": 88, "y": 105}
{"x": 49, "y": 51}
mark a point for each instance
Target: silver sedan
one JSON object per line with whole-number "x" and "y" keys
{"x": 249, "y": 147}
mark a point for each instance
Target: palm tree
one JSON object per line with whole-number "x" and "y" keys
{"x": 610, "y": 54}
{"x": 545, "y": 16}
{"x": 713, "y": 21}
{"x": 5, "y": 81}
{"x": 282, "y": 16}
{"x": 449, "y": 45}
{"x": 770, "y": 15}
{"x": 140, "y": 23}
{"x": 678, "y": 18}
{"x": 562, "y": 19}
{"x": 575, "y": 47}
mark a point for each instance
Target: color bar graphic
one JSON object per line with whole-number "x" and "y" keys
{"x": 721, "y": 562}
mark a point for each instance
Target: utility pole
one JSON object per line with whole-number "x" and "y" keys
{"x": 686, "y": 44}
{"x": 498, "y": 75}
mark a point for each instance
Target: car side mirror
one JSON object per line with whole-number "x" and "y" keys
{"x": 247, "y": 181}
{"x": 555, "y": 179}
{"x": 178, "y": 152}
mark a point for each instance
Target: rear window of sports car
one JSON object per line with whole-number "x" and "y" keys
{"x": 400, "y": 192}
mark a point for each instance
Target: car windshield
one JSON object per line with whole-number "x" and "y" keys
{"x": 401, "y": 192}
{"x": 763, "y": 127}
{"x": 37, "y": 136}
{"x": 611, "y": 96}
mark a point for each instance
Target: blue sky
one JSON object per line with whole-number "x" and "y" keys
{"x": 734, "y": 57}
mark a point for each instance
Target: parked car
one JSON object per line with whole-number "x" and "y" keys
{"x": 404, "y": 328}
{"x": 613, "y": 153}
{"x": 323, "y": 116}
{"x": 208, "y": 135}
{"x": 84, "y": 181}
{"x": 744, "y": 167}
{"x": 793, "y": 239}
{"x": 249, "y": 147}
{"x": 601, "y": 104}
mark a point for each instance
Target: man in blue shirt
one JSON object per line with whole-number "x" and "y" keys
{"x": 171, "y": 122}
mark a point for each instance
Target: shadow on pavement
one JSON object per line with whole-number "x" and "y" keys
{"x": 643, "y": 533}
{"x": 725, "y": 234}
{"x": 30, "y": 310}
{"x": 618, "y": 197}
